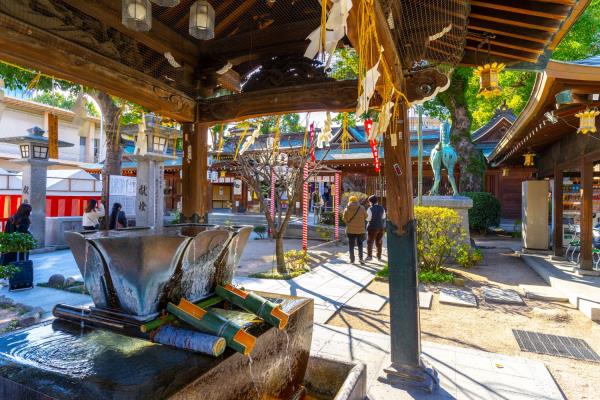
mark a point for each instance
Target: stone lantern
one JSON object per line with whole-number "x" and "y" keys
{"x": 150, "y": 155}
{"x": 34, "y": 149}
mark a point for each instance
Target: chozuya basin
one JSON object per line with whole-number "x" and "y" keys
{"x": 137, "y": 271}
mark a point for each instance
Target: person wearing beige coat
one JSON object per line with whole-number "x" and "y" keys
{"x": 355, "y": 217}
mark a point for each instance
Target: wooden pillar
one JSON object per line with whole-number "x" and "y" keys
{"x": 194, "y": 169}
{"x": 407, "y": 367}
{"x": 52, "y": 128}
{"x": 587, "y": 187}
{"x": 557, "y": 244}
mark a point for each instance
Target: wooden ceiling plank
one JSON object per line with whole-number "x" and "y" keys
{"x": 524, "y": 8}
{"x": 489, "y": 29}
{"x": 508, "y": 45}
{"x": 234, "y": 16}
{"x": 513, "y": 22}
{"x": 160, "y": 38}
{"x": 506, "y": 55}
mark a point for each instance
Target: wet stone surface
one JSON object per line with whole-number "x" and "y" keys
{"x": 65, "y": 361}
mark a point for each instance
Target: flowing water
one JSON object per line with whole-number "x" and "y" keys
{"x": 253, "y": 377}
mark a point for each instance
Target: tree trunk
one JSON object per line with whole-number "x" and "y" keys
{"x": 111, "y": 114}
{"x": 470, "y": 159}
{"x": 279, "y": 254}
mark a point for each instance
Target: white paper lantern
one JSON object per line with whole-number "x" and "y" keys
{"x": 137, "y": 15}
{"x": 202, "y": 20}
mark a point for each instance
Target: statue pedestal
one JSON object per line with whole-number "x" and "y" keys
{"x": 460, "y": 204}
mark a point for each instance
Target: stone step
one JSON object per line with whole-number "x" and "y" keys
{"x": 544, "y": 293}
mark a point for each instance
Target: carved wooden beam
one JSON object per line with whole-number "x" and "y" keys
{"x": 160, "y": 38}
{"x": 28, "y": 46}
{"x": 332, "y": 96}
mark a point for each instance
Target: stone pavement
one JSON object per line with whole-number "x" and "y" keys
{"x": 464, "y": 373}
{"x": 331, "y": 285}
{"x": 44, "y": 266}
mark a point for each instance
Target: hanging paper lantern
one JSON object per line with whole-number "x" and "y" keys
{"x": 587, "y": 121}
{"x": 488, "y": 79}
{"x": 222, "y": 174}
{"x": 505, "y": 171}
{"x": 137, "y": 15}
{"x": 202, "y": 20}
{"x": 529, "y": 159}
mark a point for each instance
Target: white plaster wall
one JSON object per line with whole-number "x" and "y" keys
{"x": 15, "y": 122}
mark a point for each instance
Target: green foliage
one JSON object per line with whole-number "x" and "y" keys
{"x": 583, "y": 40}
{"x": 439, "y": 235}
{"x": 467, "y": 257}
{"x": 277, "y": 275}
{"x": 56, "y": 99}
{"x": 485, "y": 211}
{"x": 296, "y": 260}
{"x": 328, "y": 218}
{"x": 260, "y": 230}
{"x": 16, "y": 242}
{"x": 324, "y": 233}
{"x": 441, "y": 276}
{"x": 345, "y": 64}
{"x": 290, "y": 123}
{"x": 516, "y": 89}
{"x": 362, "y": 197}
{"x": 424, "y": 276}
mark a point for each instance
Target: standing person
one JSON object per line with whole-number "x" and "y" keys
{"x": 375, "y": 227}
{"x": 92, "y": 214}
{"x": 19, "y": 222}
{"x": 355, "y": 216}
{"x": 118, "y": 219}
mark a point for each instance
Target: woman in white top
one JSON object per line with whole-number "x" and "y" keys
{"x": 92, "y": 214}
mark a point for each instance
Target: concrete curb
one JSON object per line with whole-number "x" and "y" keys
{"x": 563, "y": 282}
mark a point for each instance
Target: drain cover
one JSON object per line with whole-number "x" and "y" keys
{"x": 560, "y": 346}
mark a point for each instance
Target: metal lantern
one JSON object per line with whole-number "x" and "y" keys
{"x": 529, "y": 159}
{"x": 505, "y": 171}
{"x": 587, "y": 121}
{"x": 166, "y": 3}
{"x": 488, "y": 79}
{"x": 40, "y": 151}
{"x": 137, "y": 15}
{"x": 202, "y": 20}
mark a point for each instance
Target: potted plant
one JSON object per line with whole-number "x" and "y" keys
{"x": 16, "y": 265}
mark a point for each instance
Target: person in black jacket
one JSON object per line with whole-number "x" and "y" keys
{"x": 118, "y": 219}
{"x": 19, "y": 222}
{"x": 375, "y": 227}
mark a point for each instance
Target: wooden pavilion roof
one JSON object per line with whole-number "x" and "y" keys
{"x": 532, "y": 131}
{"x": 85, "y": 42}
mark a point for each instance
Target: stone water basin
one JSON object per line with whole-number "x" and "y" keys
{"x": 137, "y": 271}
{"x": 62, "y": 360}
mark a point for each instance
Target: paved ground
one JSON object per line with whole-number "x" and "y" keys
{"x": 259, "y": 255}
{"x": 489, "y": 326}
{"x": 464, "y": 373}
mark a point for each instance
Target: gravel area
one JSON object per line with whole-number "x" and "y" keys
{"x": 489, "y": 327}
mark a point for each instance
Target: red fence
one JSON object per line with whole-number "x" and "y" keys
{"x": 56, "y": 206}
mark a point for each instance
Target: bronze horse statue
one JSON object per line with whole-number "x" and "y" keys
{"x": 443, "y": 155}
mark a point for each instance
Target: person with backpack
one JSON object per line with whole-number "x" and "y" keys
{"x": 375, "y": 227}
{"x": 355, "y": 216}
